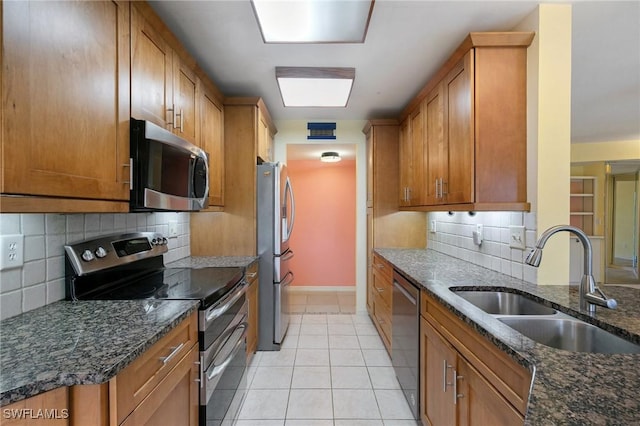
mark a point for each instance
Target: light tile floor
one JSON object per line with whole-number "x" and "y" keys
{"x": 322, "y": 301}
{"x": 332, "y": 370}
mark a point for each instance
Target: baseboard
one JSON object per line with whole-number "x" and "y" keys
{"x": 295, "y": 288}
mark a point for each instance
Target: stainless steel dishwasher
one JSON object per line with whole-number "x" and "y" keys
{"x": 405, "y": 338}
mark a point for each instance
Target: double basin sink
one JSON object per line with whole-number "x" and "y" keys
{"x": 546, "y": 325}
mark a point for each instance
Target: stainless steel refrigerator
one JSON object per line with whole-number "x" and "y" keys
{"x": 275, "y": 219}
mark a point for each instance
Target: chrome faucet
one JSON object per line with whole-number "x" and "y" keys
{"x": 590, "y": 294}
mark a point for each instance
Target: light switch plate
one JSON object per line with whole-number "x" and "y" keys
{"x": 517, "y": 237}
{"x": 11, "y": 251}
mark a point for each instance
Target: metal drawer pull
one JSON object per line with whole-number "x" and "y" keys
{"x": 173, "y": 353}
{"x": 252, "y": 275}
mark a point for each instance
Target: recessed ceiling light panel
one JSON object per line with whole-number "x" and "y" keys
{"x": 315, "y": 87}
{"x": 313, "y": 21}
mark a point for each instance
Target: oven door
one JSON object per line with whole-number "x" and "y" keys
{"x": 223, "y": 378}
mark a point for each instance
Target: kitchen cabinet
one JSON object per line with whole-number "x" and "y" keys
{"x": 412, "y": 160}
{"x": 473, "y": 134}
{"x": 53, "y": 404}
{"x": 65, "y": 110}
{"x": 382, "y": 289}
{"x": 233, "y": 232}
{"x": 212, "y": 142}
{"x": 386, "y": 225}
{"x": 158, "y": 387}
{"x": 265, "y": 136}
{"x": 465, "y": 379}
{"x": 252, "y": 300}
{"x": 164, "y": 87}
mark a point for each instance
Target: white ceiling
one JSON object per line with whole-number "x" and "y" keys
{"x": 406, "y": 43}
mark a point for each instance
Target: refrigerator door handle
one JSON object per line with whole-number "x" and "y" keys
{"x": 288, "y": 279}
{"x": 289, "y": 195}
{"x": 288, "y": 255}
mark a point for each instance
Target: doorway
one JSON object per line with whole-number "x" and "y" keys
{"x": 623, "y": 242}
{"x": 325, "y": 232}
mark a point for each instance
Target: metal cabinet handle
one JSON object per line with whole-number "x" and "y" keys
{"x": 174, "y": 352}
{"x": 442, "y": 185}
{"x": 181, "y": 114}
{"x": 456, "y": 395}
{"x": 444, "y": 375}
{"x": 252, "y": 275}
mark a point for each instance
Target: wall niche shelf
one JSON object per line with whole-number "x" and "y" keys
{"x": 582, "y": 200}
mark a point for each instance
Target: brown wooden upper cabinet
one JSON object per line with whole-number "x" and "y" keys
{"x": 65, "y": 119}
{"x": 212, "y": 142}
{"x": 463, "y": 138}
{"x": 163, "y": 86}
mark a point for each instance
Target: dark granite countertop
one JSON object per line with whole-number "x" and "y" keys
{"x": 569, "y": 388}
{"x": 86, "y": 342}
{"x": 213, "y": 262}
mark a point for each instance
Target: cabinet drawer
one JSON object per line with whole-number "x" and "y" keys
{"x": 382, "y": 266}
{"x": 133, "y": 384}
{"x": 511, "y": 379}
{"x": 175, "y": 400}
{"x": 382, "y": 317}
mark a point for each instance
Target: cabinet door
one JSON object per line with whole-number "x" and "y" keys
{"x": 252, "y": 300}
{"x": 65, "y": 124}
{"x": 265, "y": 141}
{"x": 370, "y": 288}
{"x": 175, "y": 400}
{"x": 418, "y": 172}
{"x": 151, "y": 74}
{"x": 437, "y": 364}
{"x": 435, "y": 149}
{"x": 212, "y": 141}
{"x": 459, "y": 118}
{"x": 480, "y": 403}
{"x": 406, "y": 163}
{"x": 370, "y": 171}
{"x": 185, "y": 101}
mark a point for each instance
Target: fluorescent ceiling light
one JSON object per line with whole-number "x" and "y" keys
{"x": 313, "y": 21}
{"x": 315, "y": 87}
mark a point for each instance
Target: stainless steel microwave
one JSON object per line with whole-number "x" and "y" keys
{"x": 167, "y": 172}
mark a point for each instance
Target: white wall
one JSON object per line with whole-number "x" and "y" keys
{"x": 40, "y": 280}
{"x": 453, "y": 237}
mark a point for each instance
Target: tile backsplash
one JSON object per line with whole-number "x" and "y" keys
{"x": 41, "y": 279}
{"x": 453, "y": 236}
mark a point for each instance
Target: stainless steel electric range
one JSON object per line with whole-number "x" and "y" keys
{"x": 130, "y": 266}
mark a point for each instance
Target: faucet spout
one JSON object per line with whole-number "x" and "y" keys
{"x": 590, "y": 294}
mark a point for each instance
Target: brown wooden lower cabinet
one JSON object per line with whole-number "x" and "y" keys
{"x": 46, "y": 409}
{"x": 157, "y": 388}
{"x": 252, "y": 299}
{"x": 464, "y": 379}
{"x": 381, "y": 288}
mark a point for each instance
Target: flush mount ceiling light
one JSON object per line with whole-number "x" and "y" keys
{"x": 330, "y": 157}
{"x": 313, "y": 21}
{"x": 315, "y": 87}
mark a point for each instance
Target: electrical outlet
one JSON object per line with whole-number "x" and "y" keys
{"x": 432, "y": 226}
{"x": 11, "y": 251}
{"x": 173, "y": 229}
{"x": 517, "y": 237}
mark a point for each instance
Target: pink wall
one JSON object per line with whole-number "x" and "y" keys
{"x": 324, "y": 236}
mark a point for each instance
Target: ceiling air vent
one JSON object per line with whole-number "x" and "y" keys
{"x": 321, "y": 130}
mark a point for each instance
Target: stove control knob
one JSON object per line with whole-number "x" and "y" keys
{"x": 87, "y": 255}
{"x": 164, "y": 241}
{"x": 154, "y": 242}
{"x": 100, "y": 252}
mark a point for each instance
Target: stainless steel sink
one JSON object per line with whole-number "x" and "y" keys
{"x": 503, "y": 303}
{"x": 571, "y": 334}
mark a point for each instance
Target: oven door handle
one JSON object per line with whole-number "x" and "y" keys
{"x": 218, "y": 369}
{"x": 225, "y": 304}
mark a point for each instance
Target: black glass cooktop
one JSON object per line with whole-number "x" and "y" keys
{"x": 205, "y": 284}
